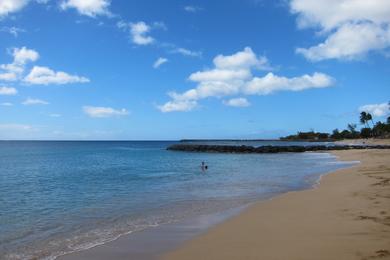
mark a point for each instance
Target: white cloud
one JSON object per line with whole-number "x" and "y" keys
{"x": 21, "y": 56}
{"x": 99, "y": 112}
{"x": 232, "y": 75}
{"x": 187, "y": 52}
{"x": 350, "y": 41}
{"x": 45, "y": 76}
{"x": 192, "y": 9}
{"x": 8, "y": 91}
{"x": 38, "y": 75}
{"x": 8, "y": 7}
{"x": 12, "y": 30}
{"x": 242, "y": 59}
{"x": 90, "y": 8}
{"x": 329, "y": 14}
{"x": 139, "y": 33}
{"x": 11, "y": 6}
{"x": 272, "y": 83}
{"x": 55, "y": 115}
{"x": 7, "y": 104}
{"x": 353, "y": 28}
{"x": 178, "y": 105}
{"x": 24, "y": 55}
{"x": 160, "y": 61}
{"x": 237, "y": 102}
{"x": 382, "y": 109}
{"x": 220, "y": 75}
{"x": 34, "y": 101}
{"x": 7, "y": 76}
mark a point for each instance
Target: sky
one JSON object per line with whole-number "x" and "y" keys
{"x": 167, "y": 70}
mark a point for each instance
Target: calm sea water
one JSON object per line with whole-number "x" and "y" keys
{"x": 59, "y": 197}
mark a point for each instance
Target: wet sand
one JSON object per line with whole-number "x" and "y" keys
{"x": 346, "y": 217}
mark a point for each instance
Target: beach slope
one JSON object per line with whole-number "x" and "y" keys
{"x": 346, "y": 217}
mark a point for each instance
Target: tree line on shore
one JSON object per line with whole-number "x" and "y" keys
{"x": 370, "y": 129}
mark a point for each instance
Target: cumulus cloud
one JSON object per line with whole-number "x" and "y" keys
{"x": 382, "y": 109}
{"x": 244, "y": 59}
{"x": 38, "y": 75}
{"x": 21, "y": 56}
{"x": 45, "y": 76}
{"x": 160, "y": 61}
{"x": 329, "y": 14}
{"x": 350, "y": 41}
{"x": 24, "y": 55}
{"x": 232, "y": 75}
{"x": 178, "y": 105}
{"x": 237, "y": 102}
{"x": 91, "y": 8}
{"x": 100, "y": 112}
{"x": 11, "y": 6}
{"x": 8, "y": 7}
{"x": 218, "y": 74}
{"x": 271, "y": 83}
{"x": 8, "y": 91}
{"x": 34, "y": 101}
{"x": 7, "y": 76}
{"x": 139, "y": 31}
{"x": 353, "y": 28}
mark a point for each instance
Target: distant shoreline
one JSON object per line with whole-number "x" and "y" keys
{"x": 254, "y": 140}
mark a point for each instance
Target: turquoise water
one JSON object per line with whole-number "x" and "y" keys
{"x": 59, "y": 197}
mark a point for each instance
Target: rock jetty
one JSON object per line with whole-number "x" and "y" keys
{"x": 267, "y": 148}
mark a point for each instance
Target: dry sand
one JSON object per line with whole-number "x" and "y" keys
{"x": 369, "y": 141}
{"x": 346, "y": 217}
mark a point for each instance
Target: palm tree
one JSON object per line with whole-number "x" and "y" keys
{"x": 369, "y": 118}
{"x": 352, "y": 129}
{"x": 363, "y": 118}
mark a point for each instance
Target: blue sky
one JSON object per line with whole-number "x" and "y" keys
{"x": 142, "y": 70}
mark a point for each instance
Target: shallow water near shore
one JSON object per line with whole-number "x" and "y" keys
{"x": 61, "y": 197}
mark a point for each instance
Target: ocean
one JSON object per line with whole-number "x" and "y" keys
{"x": 58, "y": 197}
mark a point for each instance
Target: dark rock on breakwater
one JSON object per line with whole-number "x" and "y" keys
{"x": 267, "y": 149}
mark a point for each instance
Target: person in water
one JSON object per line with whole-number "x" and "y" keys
{"x": 204, "y": 167}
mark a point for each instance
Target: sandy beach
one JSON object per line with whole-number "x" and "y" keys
{"x": 369, "y": 141}
{"x": 346, "y": 217}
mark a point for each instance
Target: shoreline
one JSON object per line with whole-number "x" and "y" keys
{"x": 175, "y": 234}
{"x": 152, "y": 243}
{"x": 346, "y": 217}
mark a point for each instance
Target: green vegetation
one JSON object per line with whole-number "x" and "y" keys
{"x": 377, "y": 130}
